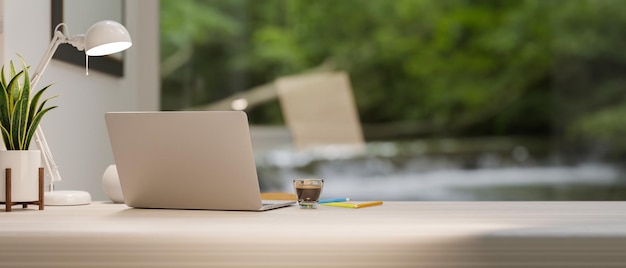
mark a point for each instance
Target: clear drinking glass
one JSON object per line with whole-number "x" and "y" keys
{"x": 308, "y": 192}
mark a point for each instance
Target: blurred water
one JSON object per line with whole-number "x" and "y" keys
{"x": 465, "y": 184}
{"x": 392, "y": 171}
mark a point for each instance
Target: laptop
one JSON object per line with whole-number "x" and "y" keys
{"x": 186, "y": 160}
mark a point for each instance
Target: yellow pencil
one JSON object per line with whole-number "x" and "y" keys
{"x": 375, "y": 203}
{"x": 343, "y": 205}
{"x": 352, "y": 205}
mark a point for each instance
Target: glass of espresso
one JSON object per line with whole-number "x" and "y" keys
{"x": 308, "y": 192}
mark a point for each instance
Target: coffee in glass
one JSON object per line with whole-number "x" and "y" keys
{"x": 308, "y": 192}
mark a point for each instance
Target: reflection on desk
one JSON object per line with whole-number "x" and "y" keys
{"x": 396, "y": 234}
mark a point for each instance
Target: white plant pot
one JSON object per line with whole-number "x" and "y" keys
{"x": 24, "y": 174}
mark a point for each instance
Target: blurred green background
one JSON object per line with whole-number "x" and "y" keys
{"x": 553, "y": 70}
{"x": 453, "y": 67}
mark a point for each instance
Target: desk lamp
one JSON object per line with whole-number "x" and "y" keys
{"x": 103, "y": 38}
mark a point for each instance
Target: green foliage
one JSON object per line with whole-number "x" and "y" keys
{"x": 605, "y": 126}
{"x": 460, "y": 67}
{"x": 19, "y": 113}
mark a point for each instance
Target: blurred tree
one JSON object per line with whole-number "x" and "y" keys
{"x": 455, "y": 67}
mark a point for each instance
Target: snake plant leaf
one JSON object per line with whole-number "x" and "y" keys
{"x": 14, "y": 88}
{"x": 4, "y": 106}
{"x": 43, "y": 104}
{"x": 14, "y": 85}
{"x": 16, "y": 127}
{"x": 35, "y": 102}
{"x": 13, "y": 94}
{"x": 20, "y": 114}
{"x": 33, "y": 127}
{"x": 23, "y": 108}
{"x": 3, "y": 80}
{"x": 6, "y": 138}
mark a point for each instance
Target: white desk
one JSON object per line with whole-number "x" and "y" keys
{"x": 396, "y": 234}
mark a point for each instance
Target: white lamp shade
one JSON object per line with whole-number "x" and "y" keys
{"x": 106, "y": 37}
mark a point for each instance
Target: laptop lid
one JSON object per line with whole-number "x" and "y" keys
{"x": 185, "y": 160}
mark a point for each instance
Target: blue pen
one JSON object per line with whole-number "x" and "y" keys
{"x": 334, "y": 200}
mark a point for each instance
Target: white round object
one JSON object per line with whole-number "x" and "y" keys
{"x": 66, "y": 198}
{"x": 111, "y": 184}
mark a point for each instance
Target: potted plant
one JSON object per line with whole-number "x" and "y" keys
{"x": 20, "y": 114}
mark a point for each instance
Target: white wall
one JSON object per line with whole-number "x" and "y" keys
{"x": 76, "y": 131}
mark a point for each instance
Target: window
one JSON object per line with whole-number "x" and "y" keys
{"x": 457, "y": 100}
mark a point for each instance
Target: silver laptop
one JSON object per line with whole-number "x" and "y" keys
{"x": 186, "y": 160}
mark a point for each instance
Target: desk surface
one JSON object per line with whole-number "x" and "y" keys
{"x": 396, "y": 234}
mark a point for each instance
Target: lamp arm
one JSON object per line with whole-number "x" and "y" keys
{"x": 48, "y": 160}
{"x": 51, "y": 167}
{"x": 58, "y": 39}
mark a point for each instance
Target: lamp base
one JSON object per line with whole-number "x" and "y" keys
{"x": 66, "y": 198}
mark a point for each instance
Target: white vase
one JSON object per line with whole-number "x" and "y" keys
{"x": 24, "y": 174}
